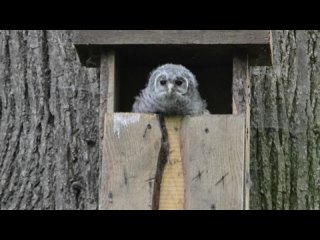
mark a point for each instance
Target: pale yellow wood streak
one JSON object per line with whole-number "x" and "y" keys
{"x": 172, "y": 185}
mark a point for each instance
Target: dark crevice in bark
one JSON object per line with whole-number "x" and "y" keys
{"x": 5, "y": 146}
{"x": 293, "y": 198}
{"x": 45, "y": 65}
{"x": 312, "y": 43}
{"x": 311, "y": 113}
{"x": 260, "y": 174}
{"x": 15, "y": 165}
{"x": 311, "y": 174}
{"x": 0, "y": 113}
{"x": 293, "y": 157}
{"x": 274, "y": 176}
{"x": 76, "y": 182}
{"x": 37, "y": 135}
{"x": 26, "y": 101}
{"x": 290, "y": 76}
{"x": 46, "y": 71}
{"x": 17, "y": 148}
{"x": 77, "y": 187}
{"x": 10, "y": 175}
{"x": 10, "y": 108}
{"x": 7, "y": 60}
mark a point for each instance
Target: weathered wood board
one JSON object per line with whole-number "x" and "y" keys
{"x": 204, "y": 168}
{"x": 254, "y": 42}
{"x": 241, "y": 105}
{"x": 108, "y": 82}
{"x": 212, "y": 148}
{"x": 131, "y": 149}
{"x": 122, "y": 37}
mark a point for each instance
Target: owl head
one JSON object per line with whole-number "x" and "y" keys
{"x": 171, "y": 80}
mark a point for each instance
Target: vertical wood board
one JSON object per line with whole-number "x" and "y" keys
{"x": 205, "y": 167}
{"x": 241, "y": 105}
{"x": 212, "y": 149}
{"x": 131, "y": 149}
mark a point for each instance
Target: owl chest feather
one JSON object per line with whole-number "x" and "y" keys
{"x": 172, "y": 105}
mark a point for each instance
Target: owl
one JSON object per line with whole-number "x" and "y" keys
{"x": 171, "y": 90}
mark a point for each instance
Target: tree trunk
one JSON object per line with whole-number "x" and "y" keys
{"x": 49, "y": 108}
{"x": 285, "y": 125}
{"x": 49, "y": 122}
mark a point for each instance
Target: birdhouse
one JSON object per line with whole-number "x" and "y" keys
{"x": 151, "y": 161}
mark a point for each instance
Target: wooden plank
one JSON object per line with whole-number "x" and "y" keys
{"x": 108, "y": 81}
{"x": 255, "y": 42}
{"x": 241, "y": 105}
{"x": 131, "y": 148}
{"x": 107, "y": 89}
{"x": 247, "y": 178}
{"x": 172, "y": 184}
{"x": 212, "y": 149}
{"x": 239, "y": 84}
{"x": 124, "y": 37}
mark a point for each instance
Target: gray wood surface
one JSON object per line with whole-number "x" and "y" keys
{"x": 212, "y": 148}
{"x": 247, "y": 176}
{"x": 131, "y": 150}
{"x": 239, "y": 84}
{"x": 107, "y": 89}
{"x": 108, "y": 82}
{"x": 241, "y": 105}
{"x": 254, "y": 42}
{"x": 123, "y": 37}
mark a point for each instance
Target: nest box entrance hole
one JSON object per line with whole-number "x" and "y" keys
{"x": 213, "y": 72}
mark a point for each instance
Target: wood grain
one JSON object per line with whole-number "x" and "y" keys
{"x": 172, "y": 185}
{"x": 247, "y": 176}
{"x": 239, "y": 83}
{"x": 130, "y": 157}
{"x": 254, "y": 42}
{"x": 241, "y": 105}
{"x": 107, "y": 89}
{"x": 121, "y": 37}
{"x": 212, "y": 149}
{"x": 108, "y": 82}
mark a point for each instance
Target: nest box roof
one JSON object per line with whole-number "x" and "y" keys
{"x": 219, "y": 44}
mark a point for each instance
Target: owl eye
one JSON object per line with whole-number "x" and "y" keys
{"x": 178, "y": 82}
{"x": 163, "y": 82}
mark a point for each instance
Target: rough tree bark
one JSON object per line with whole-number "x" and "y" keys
{"x": 49, "y": 108}
{"x": 49, "y": 118}
{"x": 285, "y": 125}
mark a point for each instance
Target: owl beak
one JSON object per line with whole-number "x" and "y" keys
{"x": 170, "y": 86}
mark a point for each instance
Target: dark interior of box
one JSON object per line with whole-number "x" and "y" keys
{"x": 212, "y": 68}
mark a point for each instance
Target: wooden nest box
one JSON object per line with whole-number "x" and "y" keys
{"x": 178, "y": 162}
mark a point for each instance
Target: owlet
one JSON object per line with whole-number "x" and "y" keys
{"x": 171, "y": 90}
